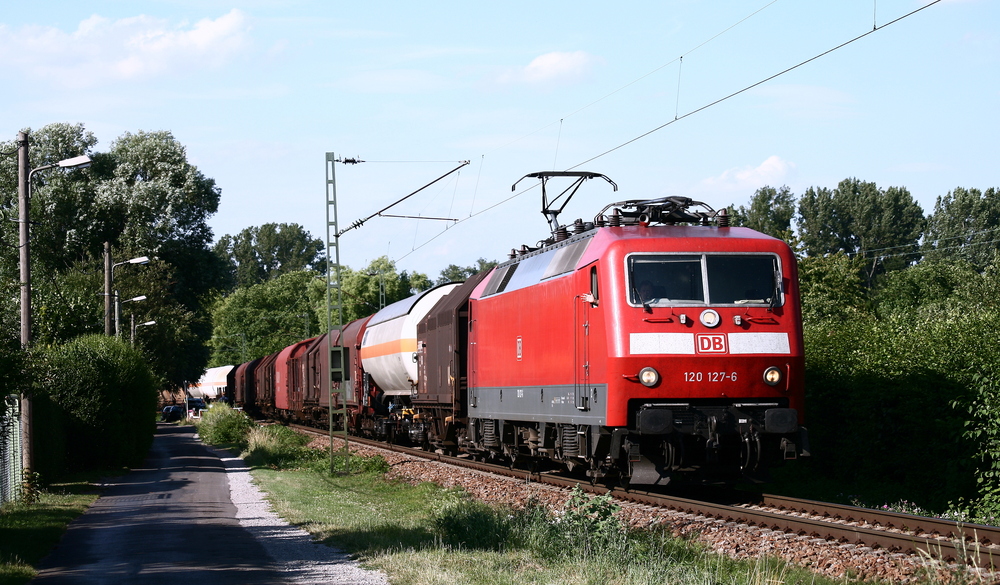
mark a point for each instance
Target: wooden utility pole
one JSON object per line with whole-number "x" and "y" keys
{"x": 23, "y": 178}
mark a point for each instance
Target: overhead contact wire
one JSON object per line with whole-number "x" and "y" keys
{"x": 640, "y": 78}
{"x": 691, "y": 113}
{"x": 753, "y": 85}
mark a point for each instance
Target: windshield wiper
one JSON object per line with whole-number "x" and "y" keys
{"x": 645, "y": 303}
{"x": 777, "y": 288}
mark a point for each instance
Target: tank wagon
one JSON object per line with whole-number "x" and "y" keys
{"x": 652, "y": 344}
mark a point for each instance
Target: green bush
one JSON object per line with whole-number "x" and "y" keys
{"x": 983, "y": 429}
{"x": 221, "y": 425}
{"x": 586, "y": 525}
{"x": 96, "y": 399}
{"x": 888, "y": 401}
{"x": 589, "y": 522}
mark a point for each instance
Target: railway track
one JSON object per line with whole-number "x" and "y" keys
{"x": 929, "y": 538}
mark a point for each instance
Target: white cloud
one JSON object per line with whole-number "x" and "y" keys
{"x": 101, "y": 49}
{"x": 553, "y": 68}
{"x": 774, "y": 171}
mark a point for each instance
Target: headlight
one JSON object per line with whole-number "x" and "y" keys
{"x": 649, "y": 377}
{"x": 772, "y": 376}
{"x": 709, "y": 318}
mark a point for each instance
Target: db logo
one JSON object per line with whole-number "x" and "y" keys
{"x": 711, "y": 343}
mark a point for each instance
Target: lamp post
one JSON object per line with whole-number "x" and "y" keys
{"x": 138, "y": 325}
{"x": 110, "y": 297}
{"x": 118, "y": 310}
{"x": 23, "y": 200}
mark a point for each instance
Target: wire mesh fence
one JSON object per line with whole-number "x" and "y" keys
{"x": 10, "y": 449}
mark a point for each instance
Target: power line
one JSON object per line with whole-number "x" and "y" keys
{"x": 876, "y": 28}
{"x": 641, "y": 77}
{"x": 753, "y": 85}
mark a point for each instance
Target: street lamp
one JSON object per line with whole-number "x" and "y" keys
{"x": 118, "y": 310}
{"x": 109, "y": 297}
{"x": 23, "y": 199}
{"x": 138, "y": 325}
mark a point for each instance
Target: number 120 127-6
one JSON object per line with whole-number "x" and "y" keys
{"x": 709, "y": 376}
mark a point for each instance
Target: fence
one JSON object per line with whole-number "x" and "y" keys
{"x": 10, "y": 449}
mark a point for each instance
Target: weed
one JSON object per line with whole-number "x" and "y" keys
{"x": 31, "y": 487}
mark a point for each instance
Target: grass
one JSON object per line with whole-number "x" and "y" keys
{"x": 424, "y": 534}
{"x": 29, "y": 532}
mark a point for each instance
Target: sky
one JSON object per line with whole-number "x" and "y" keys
{"x": 710, "y": 100}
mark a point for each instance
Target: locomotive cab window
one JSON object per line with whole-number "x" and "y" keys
{"x": 711, "y": 279}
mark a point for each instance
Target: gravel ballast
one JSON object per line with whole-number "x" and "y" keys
{"x": 727, "y": 538}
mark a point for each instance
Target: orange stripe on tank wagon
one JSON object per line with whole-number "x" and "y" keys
{"x": 389, "y": 348}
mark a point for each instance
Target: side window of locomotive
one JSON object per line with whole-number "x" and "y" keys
{"x": 593, "y": 284}
{"x": 743, "y": 280}
{"x": 665, "y": 278}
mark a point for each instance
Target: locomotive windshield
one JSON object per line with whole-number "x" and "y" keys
{"x": 729, "y": 279}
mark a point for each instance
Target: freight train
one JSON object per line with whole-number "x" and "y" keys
{"x": 653, "y": 344}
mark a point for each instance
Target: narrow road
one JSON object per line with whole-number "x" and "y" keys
{"x": 171, "y": 521}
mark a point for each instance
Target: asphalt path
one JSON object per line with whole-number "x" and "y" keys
{"x": 172, "y": 521}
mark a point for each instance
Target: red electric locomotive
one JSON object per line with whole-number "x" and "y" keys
{"x": 633, "y": 347}
{"x": 650, "y": 351}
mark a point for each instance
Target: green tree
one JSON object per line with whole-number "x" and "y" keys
{"x": 362, "y": 290}
{"x": 456, "y": 273}
{"x": 858, "y": 218}
{"x": 821, "y": 224}
{"x": 268, "y": 316}
{"x": 414, "y": 283}
{"x": 983, "y": 291}
{"x": 965, "y": 225}
{"x": 162, "y": 203}
{"x": 143, "y": 197}
{"x": 13, "y": 361}
{"x": 68, "y": 221}
{"x": 770, "y": 211}
{"x": 261, "y": 253}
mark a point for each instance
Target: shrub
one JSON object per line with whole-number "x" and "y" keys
{"x": 585, "y": 525}
{"x": 221, "y": 425}
{"x": 96, "y": 397}
{"x": 589, "y": 522}
{"x": 983, "y": 428}
{"x": 887, "y": 401}
{"x": 374, "y": 464}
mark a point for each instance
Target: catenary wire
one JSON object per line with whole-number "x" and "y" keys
{"x": 753, "y": 85}
{"x": 688, "y": 114}
{"x": 640, "y": 78}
